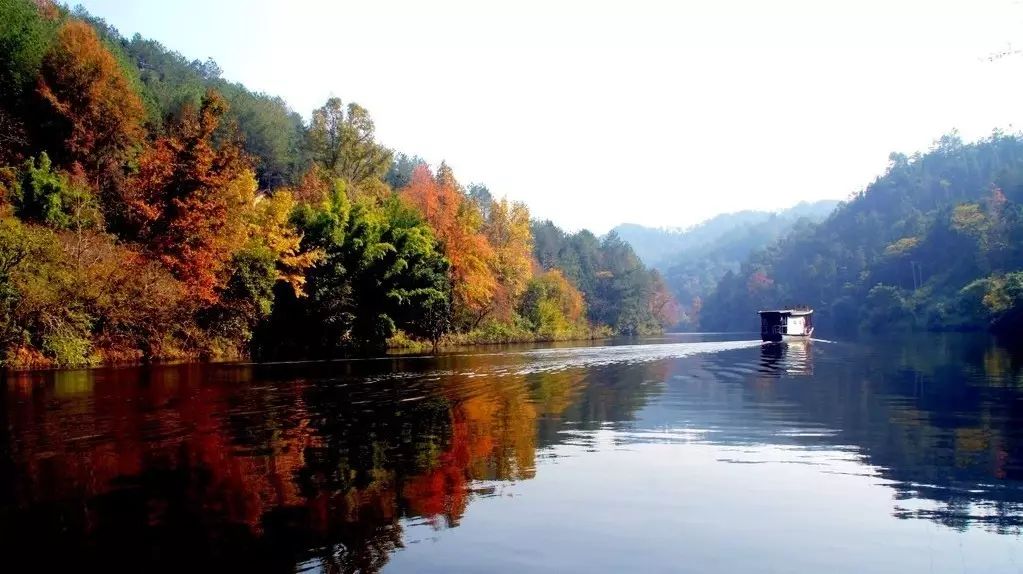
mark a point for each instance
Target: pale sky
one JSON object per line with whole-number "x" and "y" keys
{"x": 597, "y": 113}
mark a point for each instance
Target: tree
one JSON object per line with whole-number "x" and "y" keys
{"x": 271, "y": 254}
{"x": 26, "y": 33}
{"x": 617, "y": 286}
{"x": 313, "y": 187}
{"x": 151, "y": 209}
{"x": 925, "y": 231}
{"x": 271, "y": 133}
{"x": 886, "y": 308}
{"x": 25, "y": 36}
{"x": 138, "y": 310}
{"x": 509, "y": 234}
{"x": 189, "y": 198}
{"x": 94, "y": 117}
{"x": 380, "y": 271}
{"x": 662, "y": 304}
{"x": 1006, "y": 303}
{"x": 399, "y": 174}
{"x": 480, "y": 195}
{"x": 341, "y": 140}
{"x": 45, "y": 322}
{"x": 458, "y": 227}
{"x": 59, "y": 199}
{"x": 554, "y": 308}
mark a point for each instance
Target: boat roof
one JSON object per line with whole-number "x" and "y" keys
{"x": 787, "y": 311}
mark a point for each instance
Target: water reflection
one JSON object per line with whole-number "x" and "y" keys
{"x": 329, "y": 465}
{"x": 786, "y": 358}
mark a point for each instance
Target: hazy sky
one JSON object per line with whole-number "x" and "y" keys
{"x": 595, "y": 113}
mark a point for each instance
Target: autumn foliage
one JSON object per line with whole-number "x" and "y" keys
{"x": 149, "y": 209}
{"x": 95, "y": 116}
{"x": 185, "y": 199}
{"x": 458, "y": 227}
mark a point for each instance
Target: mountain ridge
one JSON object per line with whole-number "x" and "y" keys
{"x": 656, "y": 245}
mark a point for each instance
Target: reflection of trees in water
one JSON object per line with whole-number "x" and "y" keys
{"x": 168, "y": 467}
{"x": 588, "y": 399}
{"x": 938, "y": 415}
{"x": 953, "y": 411}
{"x": 617, "y": 393}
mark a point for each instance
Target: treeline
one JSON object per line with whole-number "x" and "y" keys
{"x": 935, "y": 243}
{"x": 150, "y": 209}
{"x": 619, "y": 290}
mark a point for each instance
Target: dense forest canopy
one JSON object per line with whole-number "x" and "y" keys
{"x": 151, "y": 209}
{"x": 936, "y": 242}
{"x": 693, "y": 260}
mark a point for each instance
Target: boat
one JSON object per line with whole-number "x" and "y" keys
{"x": 786, "y": 324}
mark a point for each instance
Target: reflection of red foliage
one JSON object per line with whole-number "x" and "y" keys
{"x": 443, "y": 490}
{"x": 109, "y": 431}
{"x": 440, "y": 492}
{"x": 93, "y": 444}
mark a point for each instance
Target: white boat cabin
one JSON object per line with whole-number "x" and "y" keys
{"x": 780, "y": 324}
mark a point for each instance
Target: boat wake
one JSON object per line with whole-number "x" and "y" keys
{"x": 548, "y": 360}
{"x": 533, "y": 361}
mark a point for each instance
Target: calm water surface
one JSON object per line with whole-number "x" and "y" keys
{"x": 681, "y": 454}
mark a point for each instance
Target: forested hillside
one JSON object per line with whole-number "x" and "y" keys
{"x": 618, "y": 289}
{"x": 151, "y": 209}
{"x": 934, "y": 243}
{"x": 695, "y": 259}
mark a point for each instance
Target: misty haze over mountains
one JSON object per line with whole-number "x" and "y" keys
{"x": 731, "y": 232}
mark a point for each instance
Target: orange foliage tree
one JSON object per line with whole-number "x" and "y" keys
{"x": 95, "y": 116}
{"x": 313, "y": 188}
{"x": 458, "y": 225}
{"x": 662, "y": 304}
{"x": 189, "y": 199}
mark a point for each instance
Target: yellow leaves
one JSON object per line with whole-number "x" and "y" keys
{"x": 372, "y": 188}
{"x": 995, "y": 297}
{"x": 968, "y": 218}
{"x": 554, "y": 306}
{"x": 569, "y": 298}
{"x": 509, "y": 234}
{"x": 902, "y": 246}
{"x": 239, "y": 196}
{"x": 269, "y": 222}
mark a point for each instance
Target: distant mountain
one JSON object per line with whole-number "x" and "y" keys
{"x": 659, "y": 246}
{"x": 693, "y": 260}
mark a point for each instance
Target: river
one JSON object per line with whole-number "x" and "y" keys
{"x": 685, "y": 453}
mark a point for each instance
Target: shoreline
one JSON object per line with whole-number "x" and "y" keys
{"x": 406, "y": 349}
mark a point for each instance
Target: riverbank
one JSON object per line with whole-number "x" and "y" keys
{"x": 24, "y": 359}
{"x": 495, "y": 334}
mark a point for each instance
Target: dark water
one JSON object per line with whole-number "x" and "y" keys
{"x": 685, "y": 454}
